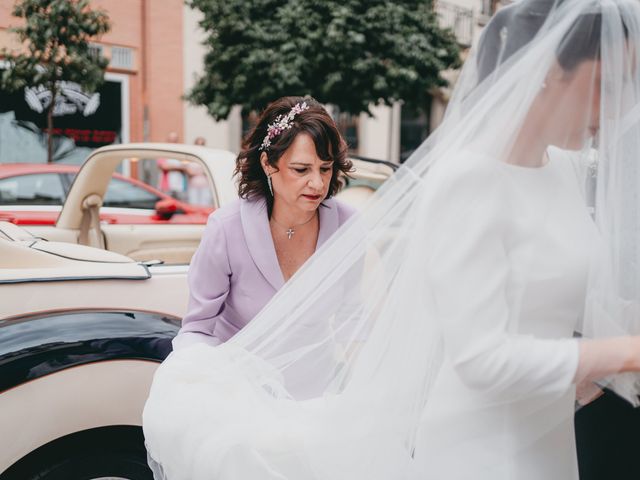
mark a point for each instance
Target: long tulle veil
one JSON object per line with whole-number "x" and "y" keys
{"x": 331, "y": 380}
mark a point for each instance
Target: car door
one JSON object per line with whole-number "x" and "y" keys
{"x": 144, "y": 233}
{"x": 125, "y": 203}
{"x": 133, "y": 226}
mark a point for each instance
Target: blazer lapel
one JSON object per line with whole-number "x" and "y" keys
{"x": 329, "y": 221}
{"x": 255, "y": 225}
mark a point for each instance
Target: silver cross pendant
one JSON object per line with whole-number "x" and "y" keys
{"x": 290, "y": 233}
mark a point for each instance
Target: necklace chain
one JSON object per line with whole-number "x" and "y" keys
{"x": 292, "y": 229}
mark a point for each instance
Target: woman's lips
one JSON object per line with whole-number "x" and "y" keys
{"x": 312, "y": 197}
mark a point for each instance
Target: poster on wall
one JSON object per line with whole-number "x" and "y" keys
{"x": 82, "y": 122}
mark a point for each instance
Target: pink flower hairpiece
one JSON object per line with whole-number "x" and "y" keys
{"x": 282, "y": 123}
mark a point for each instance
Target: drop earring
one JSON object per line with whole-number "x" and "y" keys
{"x": 270, "y": 184}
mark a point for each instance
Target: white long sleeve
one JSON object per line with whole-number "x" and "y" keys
{"x": 472, "y": 282}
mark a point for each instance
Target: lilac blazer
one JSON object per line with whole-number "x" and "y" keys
{"x": 235, "y": 270}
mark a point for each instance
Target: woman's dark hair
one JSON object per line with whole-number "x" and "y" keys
{"x": 314, "y": 121}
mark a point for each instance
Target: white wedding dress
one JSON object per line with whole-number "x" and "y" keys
{"x": 218, "y": 424}
{"x": 432, "y": 337}
{"x": 515, "y": 402}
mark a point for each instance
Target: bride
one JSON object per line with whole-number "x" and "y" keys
{"x": 433, "y": 337}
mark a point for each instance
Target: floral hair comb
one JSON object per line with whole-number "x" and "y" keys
{"x": 282, "y": 123}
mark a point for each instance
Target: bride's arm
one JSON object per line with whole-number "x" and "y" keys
{"x": 471, "y": 280}
{"x": 475, "y": 295}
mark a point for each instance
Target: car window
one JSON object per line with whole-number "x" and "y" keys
{"x": 121, "y": 193}
{"x": 362, "y": 182}
{"x": 32, "y": 189}
{"x": 369, "y": 173}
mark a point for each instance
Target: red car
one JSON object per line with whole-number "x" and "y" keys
{"x": 33, "y": 194}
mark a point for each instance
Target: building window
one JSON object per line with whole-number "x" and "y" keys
{"x": 95, "y": 50}
{"x": 249, "y": 120}
{"x": 489, "y": 7}
{"x": 348, "y": 127}
{"x": 122, "y": 57}
{"x": 415, "y": 127}
{"x": 458, "y": 19}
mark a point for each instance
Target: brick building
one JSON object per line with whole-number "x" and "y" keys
{"x": 145, "y": 48}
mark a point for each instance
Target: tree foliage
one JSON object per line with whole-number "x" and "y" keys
{"x": 56, "y": 37}
{"x": 350, "y": 53}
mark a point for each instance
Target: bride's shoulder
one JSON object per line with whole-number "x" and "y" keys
{"x": 468, "y": 189}
{"x": 470, "y": 172}
{"x": 573, "y": 162}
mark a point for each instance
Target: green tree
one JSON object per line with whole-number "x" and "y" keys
{"x": 56, "y": 37}
{"x": 350, "y": 53}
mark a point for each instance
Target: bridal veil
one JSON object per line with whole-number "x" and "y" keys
{"x": 422, "y": 289}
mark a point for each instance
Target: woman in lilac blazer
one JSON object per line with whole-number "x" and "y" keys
{"x": 288, "y": 171}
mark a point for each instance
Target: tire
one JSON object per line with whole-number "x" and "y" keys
{"x": 99, "y": 465}
{"x": 115, "y": 453}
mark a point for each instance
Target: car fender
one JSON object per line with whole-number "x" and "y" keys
{"x": 64, "y": 372}
{"x": 72, "y": 400}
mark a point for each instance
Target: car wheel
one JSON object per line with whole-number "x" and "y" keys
{"x": 102, "y": 465}
{"x": 111, "y": 453}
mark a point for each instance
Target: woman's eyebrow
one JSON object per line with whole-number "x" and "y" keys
{"x": 306, "y": 164}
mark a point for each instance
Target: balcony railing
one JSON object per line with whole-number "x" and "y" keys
{"x": 458, "y": 19}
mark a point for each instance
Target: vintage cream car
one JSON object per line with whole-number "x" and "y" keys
{"x": 171, "y": 242}
{"x": 81, "y": 332}
{"x": 83, "y": 327}
{"x": 79, "y": 221}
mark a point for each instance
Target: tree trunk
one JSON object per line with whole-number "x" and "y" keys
{"x": 50, "y": 125}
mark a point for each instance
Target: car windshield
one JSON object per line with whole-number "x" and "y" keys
{"x": 33, "y": 189}
{"x": 123, "y": 194}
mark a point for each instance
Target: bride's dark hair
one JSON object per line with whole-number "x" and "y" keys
{"x": 583, "y": 41}
{"x": 511, "y": 28}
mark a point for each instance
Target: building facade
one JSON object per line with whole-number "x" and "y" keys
{"x": 392, "y": 133}
{"x": 145, "y": 73}
{"x": 408, "y": 127}
{"x": 155, "y": 51}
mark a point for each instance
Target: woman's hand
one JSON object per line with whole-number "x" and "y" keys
{"x": 587, "y": 392}
{"x": 603, "y": 357}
